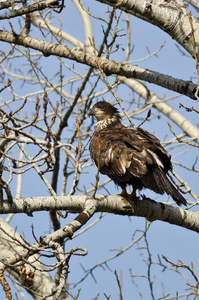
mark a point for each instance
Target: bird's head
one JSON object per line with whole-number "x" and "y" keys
{"x": 103, "y": 110}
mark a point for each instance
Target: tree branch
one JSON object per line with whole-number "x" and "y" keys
{"x": 146, "y": 207}
{"x": 171, "y": 17}
{"x": 29, "y": 9}
{"x": 109, "y": 67}
{"x": 11, "y": 245}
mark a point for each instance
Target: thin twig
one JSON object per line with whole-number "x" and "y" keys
{"x": 181, "y": 141}
{"x": 145, "y": 119}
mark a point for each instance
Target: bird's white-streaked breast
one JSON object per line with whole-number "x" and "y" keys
{"x": 104, "y": 123}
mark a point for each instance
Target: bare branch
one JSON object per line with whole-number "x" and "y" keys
{"x": 29, "y": 9}
{"x": 109, "y": 67}
{"x": 146, "y": 207}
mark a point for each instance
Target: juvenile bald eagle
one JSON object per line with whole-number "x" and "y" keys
{"x": 130, "y": 156}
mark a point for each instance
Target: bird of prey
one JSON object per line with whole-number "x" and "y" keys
{"x": 128, "y": 156}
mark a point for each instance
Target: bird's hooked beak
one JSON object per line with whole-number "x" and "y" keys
{"x": 97, "y": 113}
{"x": 91, "y": 112}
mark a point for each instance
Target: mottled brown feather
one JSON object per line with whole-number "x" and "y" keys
{"x": 130, "y": 156}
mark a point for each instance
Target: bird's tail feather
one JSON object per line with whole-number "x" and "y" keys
{"x": 174, "y": 193}
{"x": 159, "y": 183}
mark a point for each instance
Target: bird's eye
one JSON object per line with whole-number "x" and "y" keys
{"x": 120, "y": 144}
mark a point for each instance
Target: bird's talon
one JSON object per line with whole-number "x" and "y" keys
{"x": 127, "y": 206}
{"x": 124, "y": 200}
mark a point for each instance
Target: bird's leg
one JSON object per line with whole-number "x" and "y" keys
{"x": 125, "y": 196}
{"x": 133, "y": 194}
{"x": 128, "y": 198}
{"x": 124, "y": 193}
